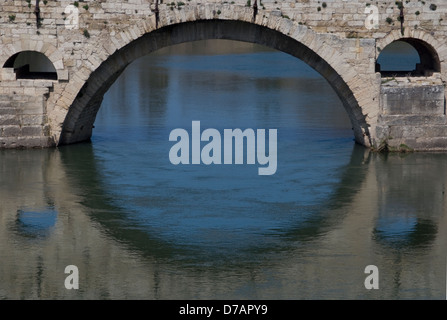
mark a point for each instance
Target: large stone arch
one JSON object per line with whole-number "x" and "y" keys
{"x": 323, "y": 52}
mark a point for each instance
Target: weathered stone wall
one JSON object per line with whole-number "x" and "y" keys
{"x": 341, "y": 47}
{"x": 412, "y": 97}
{"x": 23, "y": 117}
{"x": 413, "y": 114}
{"x": 343, "y": 17}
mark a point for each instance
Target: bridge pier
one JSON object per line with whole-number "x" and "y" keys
{"x": 412, "y": 114}
{"x": 23, "y": 116}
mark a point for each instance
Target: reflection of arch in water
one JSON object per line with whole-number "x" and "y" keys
{"x": 35, "y": 224}
{"x": 81, "y": 167}
{"x": 320, "y": 222}
{"x": 404, "y": 232}
{"x": 403, "y": 220}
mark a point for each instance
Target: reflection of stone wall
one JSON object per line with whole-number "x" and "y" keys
{"x": 33, "y": 267}
{"x": 412, "y": 263}
{"x": 419, "y": 249}
{"x": 421, "y": 181}
{"x": 331, "y": 263}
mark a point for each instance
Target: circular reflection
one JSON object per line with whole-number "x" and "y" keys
{"x": 35, "y": 223}
{"x": 401, "y": 232}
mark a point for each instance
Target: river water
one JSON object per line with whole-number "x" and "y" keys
{"x": 138, "y": 227}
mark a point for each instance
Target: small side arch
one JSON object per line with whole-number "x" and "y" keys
{"x": 429, "y": 64}
{"x": 31, "y": 65}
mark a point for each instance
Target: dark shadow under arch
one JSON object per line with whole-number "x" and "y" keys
{"x": 429, "y": 60}
{"x": 31, "y": 65}
{"x": 81, "y": 116}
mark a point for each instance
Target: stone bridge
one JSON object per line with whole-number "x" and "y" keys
{"x": 85, "y": 46}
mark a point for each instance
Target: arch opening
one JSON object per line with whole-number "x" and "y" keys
{"x": 408, "y": 57}
{"x": 31, "y": 65}
{"x": 81, "y": 116}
